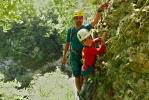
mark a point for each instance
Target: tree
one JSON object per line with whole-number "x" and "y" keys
{"x": 12, "y": 11}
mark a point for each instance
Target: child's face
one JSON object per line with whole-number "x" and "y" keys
{"x": 88, "y": 41}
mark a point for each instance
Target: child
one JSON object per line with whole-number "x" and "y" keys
{"x": 89, "y": 53}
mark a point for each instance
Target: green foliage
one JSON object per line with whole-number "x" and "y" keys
{"x": 1, "y": 76}
{"x": 123, "y": 69}
{"x": 14, "y": 71}
{"x": 12, "y": 11}
{"x": 33, "y": 36}
{"x": 9, "y": 90}
{"x": 51, "y": 86}
{"x": 34, "y": 42}
{"x": 62, "y": 8}
{"x": 31, "y": 45}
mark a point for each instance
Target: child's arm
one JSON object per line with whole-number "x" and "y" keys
{"x": 97, "y": 51}
{"x": 101, "y": 49}
{"x": 102, "y": 46}
{"x": 103, "y": 37}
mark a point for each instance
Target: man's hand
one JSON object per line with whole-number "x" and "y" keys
{"x": 98, "y": 14}
{"x": 104, "y": 6}
{"x": 63, "y": 60}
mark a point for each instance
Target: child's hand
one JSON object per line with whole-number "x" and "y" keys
{"x": 99, "y": 38}
{"x": 103, "y": 38}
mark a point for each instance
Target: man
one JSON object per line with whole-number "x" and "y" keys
{"x": 75, "y": 46}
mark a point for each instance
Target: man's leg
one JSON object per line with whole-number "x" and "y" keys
{"x": 81, "y": 81}
{"x": 78, "y": 84}
{"x": 76, "y": 70}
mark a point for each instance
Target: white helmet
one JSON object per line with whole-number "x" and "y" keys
{"x": 83, "y": 34}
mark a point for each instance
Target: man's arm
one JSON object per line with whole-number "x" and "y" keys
{"x": 99, "y": 14}
{"x": 65, "y": 52}
{"x": 96, "y": 19}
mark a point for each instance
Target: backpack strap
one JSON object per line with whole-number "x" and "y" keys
{"x": 71, "y": 32}
{"x": 71, "y": 49}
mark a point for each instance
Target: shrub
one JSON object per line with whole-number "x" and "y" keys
{"x": 51, "y": 86}
{"x": 9, "y": 90}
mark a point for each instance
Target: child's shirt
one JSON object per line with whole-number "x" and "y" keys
{"x": 89, "y": 54}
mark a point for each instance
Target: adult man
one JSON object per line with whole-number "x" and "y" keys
{"x": 75, "y": 46}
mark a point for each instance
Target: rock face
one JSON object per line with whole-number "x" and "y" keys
{"x": 123, "y": 71}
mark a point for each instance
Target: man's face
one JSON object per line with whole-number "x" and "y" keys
{"x": 78, "y": 20}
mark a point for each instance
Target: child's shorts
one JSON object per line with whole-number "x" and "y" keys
{"x": 86, "y": 72}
